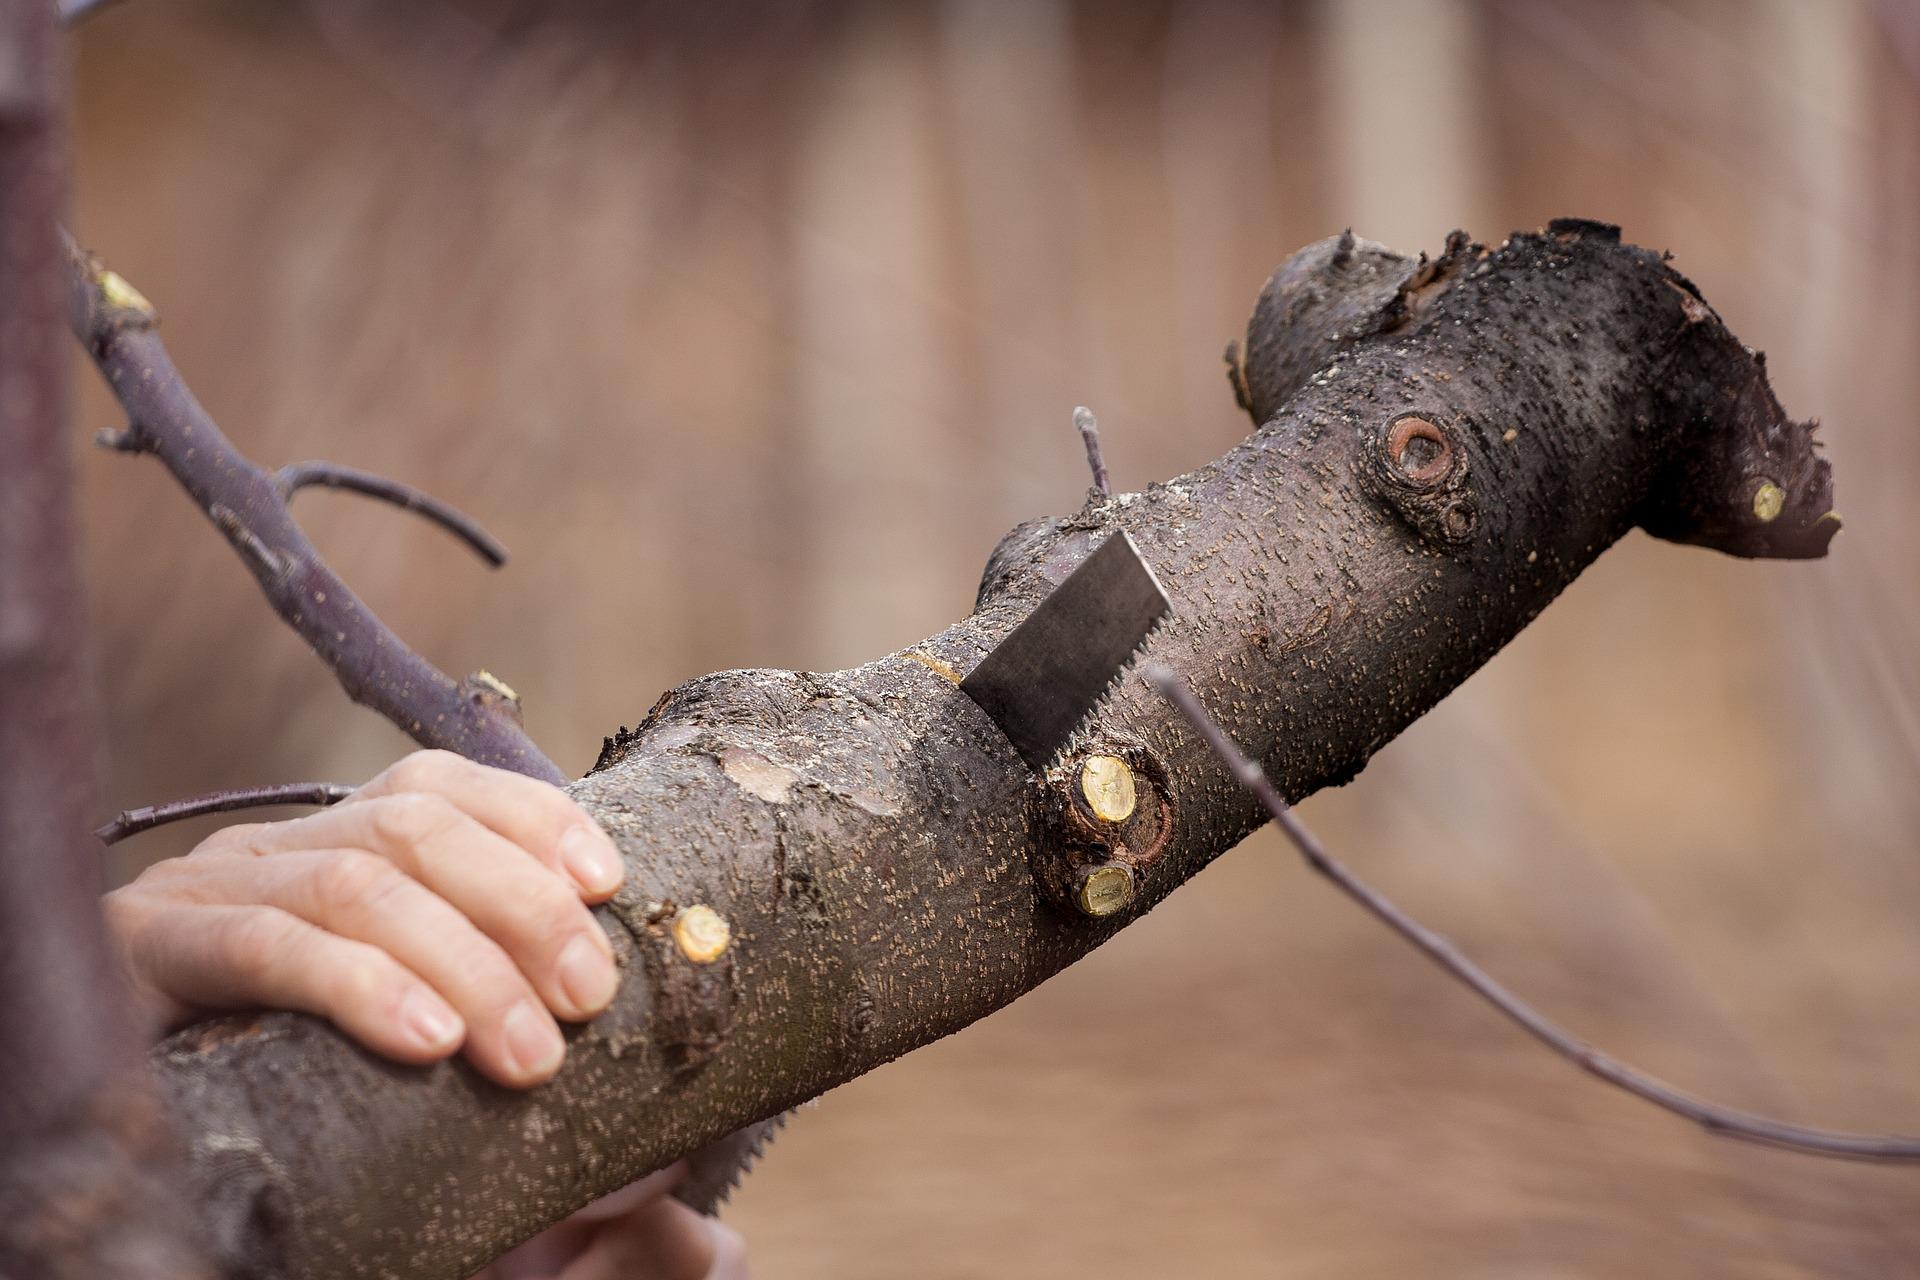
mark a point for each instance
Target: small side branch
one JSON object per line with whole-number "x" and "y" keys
{"x": 1090, "y": 436}
{"x": 1709, "y": 1115}
{"x": 74, "y": 12}
{"x": 249, "y": 506}
{"x": 132, "y": 822}
{"x": 301, "y": 475}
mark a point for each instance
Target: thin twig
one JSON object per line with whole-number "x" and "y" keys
{"x": 1711, "y": 1116}
{"x": 300, "y": 475}
{"x": 118, "y": 440}
{"x": 74, "y": 12}
{"x": 1090, "y": 436}
{"x": 132, "y": 822}
{"x": 247, "y": 504}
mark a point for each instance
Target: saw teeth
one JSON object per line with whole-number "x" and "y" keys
{"x": 1077, "y": 740}
{"x": 716, "y": 1173}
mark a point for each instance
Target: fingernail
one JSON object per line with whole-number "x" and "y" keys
{"x": 590, "y": 859}
{"x": 534, "y": 1047}
{"x": 428, "y": 1020}
{"x": 586, "y": 974}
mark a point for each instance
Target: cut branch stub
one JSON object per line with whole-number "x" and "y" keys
{"x": 1108, "y": 806}
{"x": 1419, "y": 468}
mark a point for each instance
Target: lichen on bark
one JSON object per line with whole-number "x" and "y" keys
{"x": 1441, "y": 447}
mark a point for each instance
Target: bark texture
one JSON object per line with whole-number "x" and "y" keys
{"x": 1442, "y": 447}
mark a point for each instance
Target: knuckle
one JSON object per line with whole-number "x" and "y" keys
{"x": 551, "y": 910}
{"x": 555, "y": 800}
{"x": 166, "y": 874}
{"x": 229, "y": 838}
{"x": 497, "y": 982}
{"x": 255, "y": 939}
{"x": 350, "y": 879}
{"x": 127, "y": 911}
{"x": 361, "y": 979}
{"x": 411, "y": 818}
{"x": 430, "y": 770}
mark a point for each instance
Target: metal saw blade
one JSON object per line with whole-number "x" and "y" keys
{"x": 1042, "y": 681}
{"x": 716, "y": 1169}
{"x": 1039, "y": 685}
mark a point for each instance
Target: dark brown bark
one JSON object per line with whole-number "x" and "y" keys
{"x": 78, "y": 1124}
{"x": 1445, "y": 446}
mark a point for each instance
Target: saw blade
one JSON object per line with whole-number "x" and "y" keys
{"x": 1040, "y": 685}
{"x": 1041, "y": 682}
{"x": 716, "y": 1169}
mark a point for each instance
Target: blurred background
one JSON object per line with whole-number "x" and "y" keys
{"x": 750, "y": 328}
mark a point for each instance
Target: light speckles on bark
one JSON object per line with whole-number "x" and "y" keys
{"x": 890, "y": 869}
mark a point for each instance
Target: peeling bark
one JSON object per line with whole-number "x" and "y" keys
{"x": 1443, "y": 447}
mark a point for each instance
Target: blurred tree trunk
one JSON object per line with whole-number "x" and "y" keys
{"x": 77, "y": 1120}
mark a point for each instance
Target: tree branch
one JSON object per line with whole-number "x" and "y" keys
{"x": 300, "y": 475}
{"x": 248, "y": 506}
{"x": 1089, "y": 429}
{"x": 1444, "y": 446}
{"x": 1711, "y": 1116}
{"x": 75, "y": 12}
{"x": 131, "y": 822}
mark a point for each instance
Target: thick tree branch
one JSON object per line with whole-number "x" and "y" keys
{"x": 1711, "y": 1116}
{"x": 79, "y": 1130}
{"x": 248, "y": 505}
{"x": 1443, "y": 447}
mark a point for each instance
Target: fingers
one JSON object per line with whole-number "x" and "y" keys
{"x": 367, "y": 898}
{"x": 441, "y": 876}
{"x": 662, "y": 1240}
{"x": 499, "y": 935}
{"x": 618, "y": 1204}
{"x": 538, "y": 817}
{"x": 228, "y": 957}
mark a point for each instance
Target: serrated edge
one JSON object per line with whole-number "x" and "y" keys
{"x": 762, "y": 1134}
{"x": 1076, "y": 741}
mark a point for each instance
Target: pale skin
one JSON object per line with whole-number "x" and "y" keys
{"x": 441, "y": 909}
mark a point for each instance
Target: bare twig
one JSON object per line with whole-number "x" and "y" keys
{"x": 74, "y": 12}
{"x": 132, "y": 822}
{"x": 1090, "y": 436}
{"x": 248, "y": 505}
{"x": 1711, "y": 1116}
{"x": 300, "y": 475}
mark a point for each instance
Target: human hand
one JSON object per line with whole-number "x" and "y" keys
{"x": 442, "y": 905}
{"x": 638, "y": 1233}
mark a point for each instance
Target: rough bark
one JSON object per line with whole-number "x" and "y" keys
{"x": 1445, "y": 445}
{"x": 78, "y": 1124}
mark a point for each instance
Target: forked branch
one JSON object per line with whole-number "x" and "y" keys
{"x": 477, "y": 717}
{"x": 1709, "y": 1115}
{"x": 302, "y": 475}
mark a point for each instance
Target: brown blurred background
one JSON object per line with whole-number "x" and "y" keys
{"x": 751, "y": 327}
